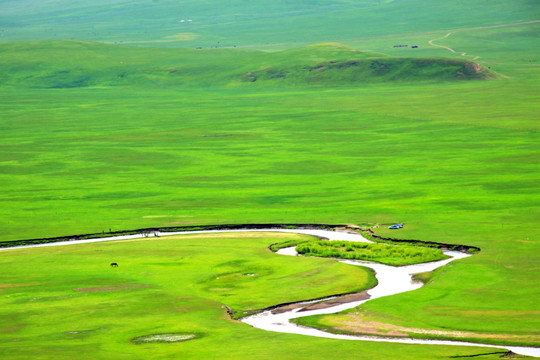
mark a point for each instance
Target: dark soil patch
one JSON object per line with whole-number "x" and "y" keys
{"x": 338, "y": 300}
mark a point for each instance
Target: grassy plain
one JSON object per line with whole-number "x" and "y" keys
{"x": 77, "y": 305}
{"x": 256, "y": 23}
{"x": 456, "y": 161}
{"x": 90, "y": 159}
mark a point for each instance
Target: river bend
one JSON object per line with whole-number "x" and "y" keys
{"x": 391, "y": 280}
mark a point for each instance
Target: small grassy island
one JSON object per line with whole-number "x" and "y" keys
{"x": 395, "y": 255}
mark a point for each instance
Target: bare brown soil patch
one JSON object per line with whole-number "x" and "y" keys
{"x": 358, "y": 324}
{"x": 338, "y": 300}
{"x": 344, "y": 299}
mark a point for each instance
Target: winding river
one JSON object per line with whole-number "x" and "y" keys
{"x": 392, "y": 280}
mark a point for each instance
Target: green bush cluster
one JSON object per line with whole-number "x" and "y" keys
{"x": 278, "y": 246}
{"x": 383, "y": 253}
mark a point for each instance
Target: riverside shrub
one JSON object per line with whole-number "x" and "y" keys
{"x": 383, "y": 253}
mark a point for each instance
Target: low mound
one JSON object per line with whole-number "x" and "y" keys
{"x": 372, "y": 70}
{"x": 73, "y": 64}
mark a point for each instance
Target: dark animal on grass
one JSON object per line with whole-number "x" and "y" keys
{"x": 114, "y": 265}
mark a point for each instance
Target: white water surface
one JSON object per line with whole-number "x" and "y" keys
{"x": 331, "y": 235}
{"x": 392, "y": 280}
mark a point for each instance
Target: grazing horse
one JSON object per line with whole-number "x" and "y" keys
{"x": 114, "y": 264}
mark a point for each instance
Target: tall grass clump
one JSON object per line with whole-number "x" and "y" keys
{"x": 286, "y": 244}
{"x": 396, "y": 255}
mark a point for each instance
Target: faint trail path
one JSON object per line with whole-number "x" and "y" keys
{"x": 432, "y": 41}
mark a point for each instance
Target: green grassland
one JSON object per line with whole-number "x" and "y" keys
{"x": 84, "y": 160}
{"x": 70, "y": 64}
{"x": 247, "y": 23}
{"x": 456, "y": 161}
{"x": 96, "y": 137}
{"x": 77, "y": 305}
{"x": 80, "y": 305}
{"x": 453, "y": 301}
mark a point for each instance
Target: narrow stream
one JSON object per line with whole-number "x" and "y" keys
{"x": 392, "y": 280}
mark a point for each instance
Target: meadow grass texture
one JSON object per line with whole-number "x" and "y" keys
{"x": 86, "y": 160}
{"x": 395, "y": 255}
{"x": 247, "y": 23}
{"x": 96, "y": 137}
{"x": 172, "y": 288}
{"x": 456, "y": 162}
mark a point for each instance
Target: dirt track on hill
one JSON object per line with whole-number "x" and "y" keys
{"x": 431, "y": 42}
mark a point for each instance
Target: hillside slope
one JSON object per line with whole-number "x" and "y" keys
{"x": 70, "y": 64}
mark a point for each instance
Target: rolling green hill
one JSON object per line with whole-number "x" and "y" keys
{"x": 69, "y": 64}
{"x": 194, "y": 123}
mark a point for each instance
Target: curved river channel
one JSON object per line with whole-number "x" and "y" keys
{"x": 392, "y": 280}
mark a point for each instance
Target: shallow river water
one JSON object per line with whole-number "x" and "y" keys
{"x": 392, "y": 280}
